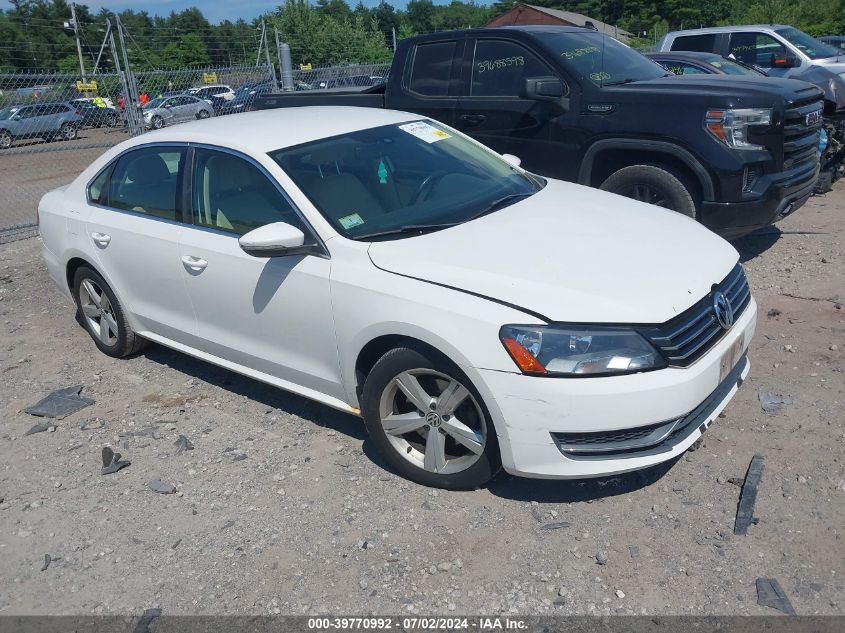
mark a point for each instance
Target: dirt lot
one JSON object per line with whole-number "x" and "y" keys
{"x": 283, "y": 507}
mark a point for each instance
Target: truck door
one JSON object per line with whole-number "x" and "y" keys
{"x": 431, "y": 79}
{"x": 495, "y": 111}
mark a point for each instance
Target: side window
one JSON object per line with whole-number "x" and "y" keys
{"x": 98, "y": 189}
{"x": 26, "y": 113}
{"x": 686, "y": 69}
{"x": 432, "y": 68}
{"x": 757, "y": 49}
{"x": 231, "y": 194}
{"x": 701, "y": 43}
{"x": 147, "y": 181}
{"x": 500, "y": 67}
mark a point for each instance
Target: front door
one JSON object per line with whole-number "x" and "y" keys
{"x": 272, "y": 315}
{"x": 133, "y": 224}
{"x": 494, "y": 110}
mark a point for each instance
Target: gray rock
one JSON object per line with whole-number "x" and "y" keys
{"x": 161, "y": 487}
{"x": 601, "y": 557}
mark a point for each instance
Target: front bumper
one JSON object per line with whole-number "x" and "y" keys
{"x": 533, "y": 415}
{"x": 781, "y": 198}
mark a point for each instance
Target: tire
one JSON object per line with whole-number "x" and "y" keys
{"x": 438, "y": 461}
{"x": 5, "y": 139}
{"x": 652, "y": 184}
{"x": 203, "y": 114}
{"x": 67, "y": 132}
{"x": 157, "y": 122}
{"x": 88, "y": 288}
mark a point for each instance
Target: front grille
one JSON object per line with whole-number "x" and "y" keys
{"x": 801, "y": 141}
{"x": 687, "y": 337}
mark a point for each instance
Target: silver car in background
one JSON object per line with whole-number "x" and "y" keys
{"x": 177, "y": 109}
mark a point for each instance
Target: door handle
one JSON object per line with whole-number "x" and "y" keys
{"x": 194, "y": 263}
{"x": 101, "y": 239}
{"x": 472, "y": 119}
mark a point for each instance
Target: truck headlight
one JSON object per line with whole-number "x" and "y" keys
{"x": 579, "y": 350}
{"x": 731, "y": 126}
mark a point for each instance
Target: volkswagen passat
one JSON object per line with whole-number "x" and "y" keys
{"x": 473, "y": 314}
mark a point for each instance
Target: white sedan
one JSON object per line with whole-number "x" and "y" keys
{"x": 473, "y": 314}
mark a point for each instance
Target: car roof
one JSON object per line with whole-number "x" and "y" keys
{"x": 267, "y": 130}
{"x": 728, "y": 29}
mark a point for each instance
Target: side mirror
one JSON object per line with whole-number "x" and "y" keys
{"x": 278, "y": 239}
{"x": 785, "y": 61}
{"x": 543, "y": 88}
{"x": 513, "y": 161}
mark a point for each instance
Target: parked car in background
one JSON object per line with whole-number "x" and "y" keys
{"x": 783, "y": 51}
{"x": 49, "y": 121}
{"x": 577, "y": 105}
{"x": 837, "y": 41}
{"x": 169, "y": 110}
{"x": 388, "y": 266}
{"x": 207, "y": 92}
{"x": 243, "y": 98}
{"x": 94, "y": 116}
{"x": 695, "y": 63}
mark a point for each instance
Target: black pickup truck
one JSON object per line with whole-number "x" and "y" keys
{"x": 577, "y": 105}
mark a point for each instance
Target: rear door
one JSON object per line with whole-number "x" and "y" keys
{"x": 431, "y": 81}
{"x": 494, "y": 110}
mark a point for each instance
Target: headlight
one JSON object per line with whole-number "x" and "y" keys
{"x": 731, "y": 126}
{"x": 578, "y": 351}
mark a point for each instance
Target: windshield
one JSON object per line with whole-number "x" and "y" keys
{"x": 600, "y": 58}
{"x": 730, "y": 67}
{"x": 8, "y": 112}
{"x": 810, "y": 46}
{"x": 155, "y": 103}
{"x": 393, "y": 178}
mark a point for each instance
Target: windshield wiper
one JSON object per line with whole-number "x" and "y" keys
{"x": 501, "y": 202}
{"x": 629, "y": 80}
{"x": 406, "y": 228}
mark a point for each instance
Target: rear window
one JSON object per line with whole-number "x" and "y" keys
{"x": 432, "y": 68}
{"x": 701, "y": 43}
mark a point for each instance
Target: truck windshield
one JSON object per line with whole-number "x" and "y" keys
{"x": 810, "y": 46}
{"x": 408, "y": 178}
{"x": 599, "y": 58}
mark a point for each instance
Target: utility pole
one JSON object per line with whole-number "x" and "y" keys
{"x": 102, "y": 47}
{"x": 76, "y": 35}
{"x": 270, "y": 66}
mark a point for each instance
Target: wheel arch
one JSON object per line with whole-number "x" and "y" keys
{"x": 607, "y": 156}
{"x": 77, "y": 260}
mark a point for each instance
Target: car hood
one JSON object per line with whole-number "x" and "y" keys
{"x": 571, "y": 253}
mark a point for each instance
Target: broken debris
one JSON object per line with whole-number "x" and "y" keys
{"x": 770, "y": 594}
{"x": 146, "y": 620}
{"x": 46, "y": 563}
{"x": 555, "y": 526}
{"x": 61, "y": 403}
{"x": 772, "y": 403}
{"x": 182, "y": 443}
{"x": 161, "y": 487}
{"x": 748, "y": 495}
{"x": 112, "y": 462}
{"x": 37, "y": 428}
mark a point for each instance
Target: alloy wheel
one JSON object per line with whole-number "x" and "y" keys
{"x": 5, "y": 140}
{"x": 433, "y": 421}
{"x": 648, "y": 193}
{"x": 98, "y": 312}
{"x": 68, "y": 132}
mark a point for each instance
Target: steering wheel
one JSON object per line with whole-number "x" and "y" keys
{"x": 428, "y": 185}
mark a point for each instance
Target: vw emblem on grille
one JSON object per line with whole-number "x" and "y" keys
{"x": 723, "y": 310}
{"x": 812, "y": 117}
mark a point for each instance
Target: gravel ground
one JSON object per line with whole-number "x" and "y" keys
{"x": 283, "y": 507}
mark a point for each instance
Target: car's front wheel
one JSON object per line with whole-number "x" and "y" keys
{"x": 157, "y": 122}
{"x": 429, "y": 421}
{"x": 652, "y": 184}
{"x": 101, "y": 314}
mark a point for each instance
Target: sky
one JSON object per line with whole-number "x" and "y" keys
{"x": 214, "y": 10}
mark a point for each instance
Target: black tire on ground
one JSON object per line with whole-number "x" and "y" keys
{"x": 67, "y": 132}
{"x": 127, "y": 341}
{"x": 403, "y": 359}
{"x": 203, "y": 114}
{"x": 157, "y": 122}
{"x": 5, "y": 139}
{"x": 652, "y": 184}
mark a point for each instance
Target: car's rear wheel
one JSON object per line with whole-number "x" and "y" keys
{"x": 67, "y": 132}
{"x": 429, "y": 421}
{"x": 654, "y": 185}
{"x": 101, "y": 314}
{"x": 157, "y": 122}
{"x": 5, "y": 139}
{"x": 203, "y": 114}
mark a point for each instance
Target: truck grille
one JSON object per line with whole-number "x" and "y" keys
{"x": 687, "y": 337}
{"x": 801, "y": 128}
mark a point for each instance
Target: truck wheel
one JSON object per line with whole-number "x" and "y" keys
{"x": 654, "y": 185}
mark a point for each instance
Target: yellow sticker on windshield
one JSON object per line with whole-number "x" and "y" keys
{"x": 424, "y": 131}
{"x": 350, "y": 221}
